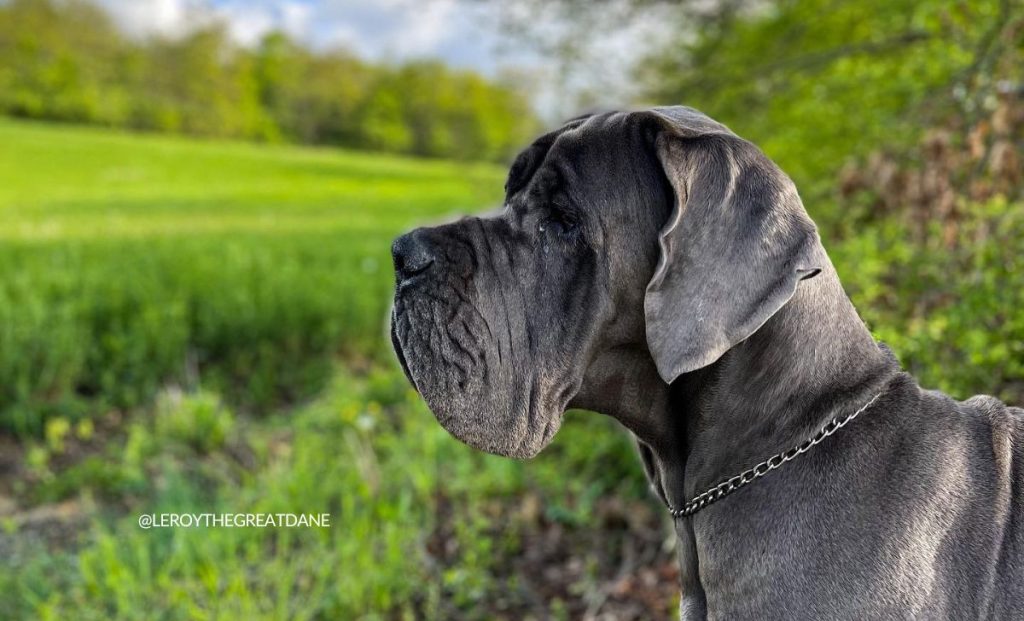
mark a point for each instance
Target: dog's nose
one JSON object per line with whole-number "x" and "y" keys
{"x": 412, "y": 255}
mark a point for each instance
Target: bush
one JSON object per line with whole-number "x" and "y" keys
{"x": 952, "y": 313}
{"x": 200, "y": 420}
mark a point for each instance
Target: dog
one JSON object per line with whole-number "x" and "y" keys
{"x": 653, "y": 266}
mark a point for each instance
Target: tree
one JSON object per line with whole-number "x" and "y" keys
{"x": 66, "y": 61}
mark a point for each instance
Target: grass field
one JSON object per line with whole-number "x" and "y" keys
{"x": 168, "y": 308}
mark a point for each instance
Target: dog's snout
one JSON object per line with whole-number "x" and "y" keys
{"x": 412, "y": 255}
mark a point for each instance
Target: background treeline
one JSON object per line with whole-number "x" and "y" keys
{"x": 67, "y": 61}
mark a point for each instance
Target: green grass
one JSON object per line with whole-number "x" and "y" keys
{"x": 129, "y": 262}
{"x": 396, "y": 486}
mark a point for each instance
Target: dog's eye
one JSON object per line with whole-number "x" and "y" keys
{"x": 559, "y": 225}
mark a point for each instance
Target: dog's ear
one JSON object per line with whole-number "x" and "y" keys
{"x": 735, "y": 246}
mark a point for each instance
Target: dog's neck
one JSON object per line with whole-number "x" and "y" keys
{"x": 813, "y": 360}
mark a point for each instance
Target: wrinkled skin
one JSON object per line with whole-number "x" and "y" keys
{"x": 498, "y": 333}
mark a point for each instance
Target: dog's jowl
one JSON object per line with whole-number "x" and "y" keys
{"x": 654, "y": 267}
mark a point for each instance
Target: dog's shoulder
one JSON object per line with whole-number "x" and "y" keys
{"x": 981, "y": 425}
{"x": 995, "y": 411}
{"x": 984, "y": 409}
{"x": 1000, "y": 428}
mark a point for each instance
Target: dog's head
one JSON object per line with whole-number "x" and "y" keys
{"x": 657, "y": 229}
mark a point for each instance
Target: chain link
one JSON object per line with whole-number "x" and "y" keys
{"x": 730, "y": 485}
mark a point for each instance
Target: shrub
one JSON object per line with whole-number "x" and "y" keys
{"x": 200, "y": 420}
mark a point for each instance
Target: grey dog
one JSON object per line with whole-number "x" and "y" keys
{"x": 654, "y": 267}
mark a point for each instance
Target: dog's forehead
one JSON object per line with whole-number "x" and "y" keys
{"x": 600, "y": 137}
{"x": 586, "y": 161}
{"x": 589, "y": 153}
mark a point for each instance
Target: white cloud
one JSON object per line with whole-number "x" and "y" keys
{"x": 142, "y": 18}
{"x": 421, "y": 28}
{"x": 386, "y": 28}
{"x": 246, "y": 25}
{"x": 296, "y": 17}
{"x": 394, "y": 29}
{"x": 246, "y": 22}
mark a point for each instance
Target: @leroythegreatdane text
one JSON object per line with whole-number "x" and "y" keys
{"x": 235, "y": 520}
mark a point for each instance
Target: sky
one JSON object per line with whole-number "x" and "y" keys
{"x": 385, "y": 29}
{"x": 463, "y": 33}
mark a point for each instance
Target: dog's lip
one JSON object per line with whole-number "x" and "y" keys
{"x": 401, "y": 284}
{"x": 400, "y": 352}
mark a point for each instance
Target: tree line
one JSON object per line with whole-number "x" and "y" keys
{"x": 67, "y": 61}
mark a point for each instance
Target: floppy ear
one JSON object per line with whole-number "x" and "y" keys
{"x": 735, "y": 246}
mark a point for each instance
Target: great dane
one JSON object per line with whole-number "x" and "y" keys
{"x": 655, "y": 267}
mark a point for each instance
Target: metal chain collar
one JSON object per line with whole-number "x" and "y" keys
{"x": 729, "y": 486}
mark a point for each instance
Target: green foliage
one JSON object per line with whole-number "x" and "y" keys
{"x": 66, "y": 61}
{"x": 952, "y": 315}
{"x": 128, "y": 263}
{"x": 815, "y": 82}
{"x": 200, "y": 420}
{"x": 368, "y": 453}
